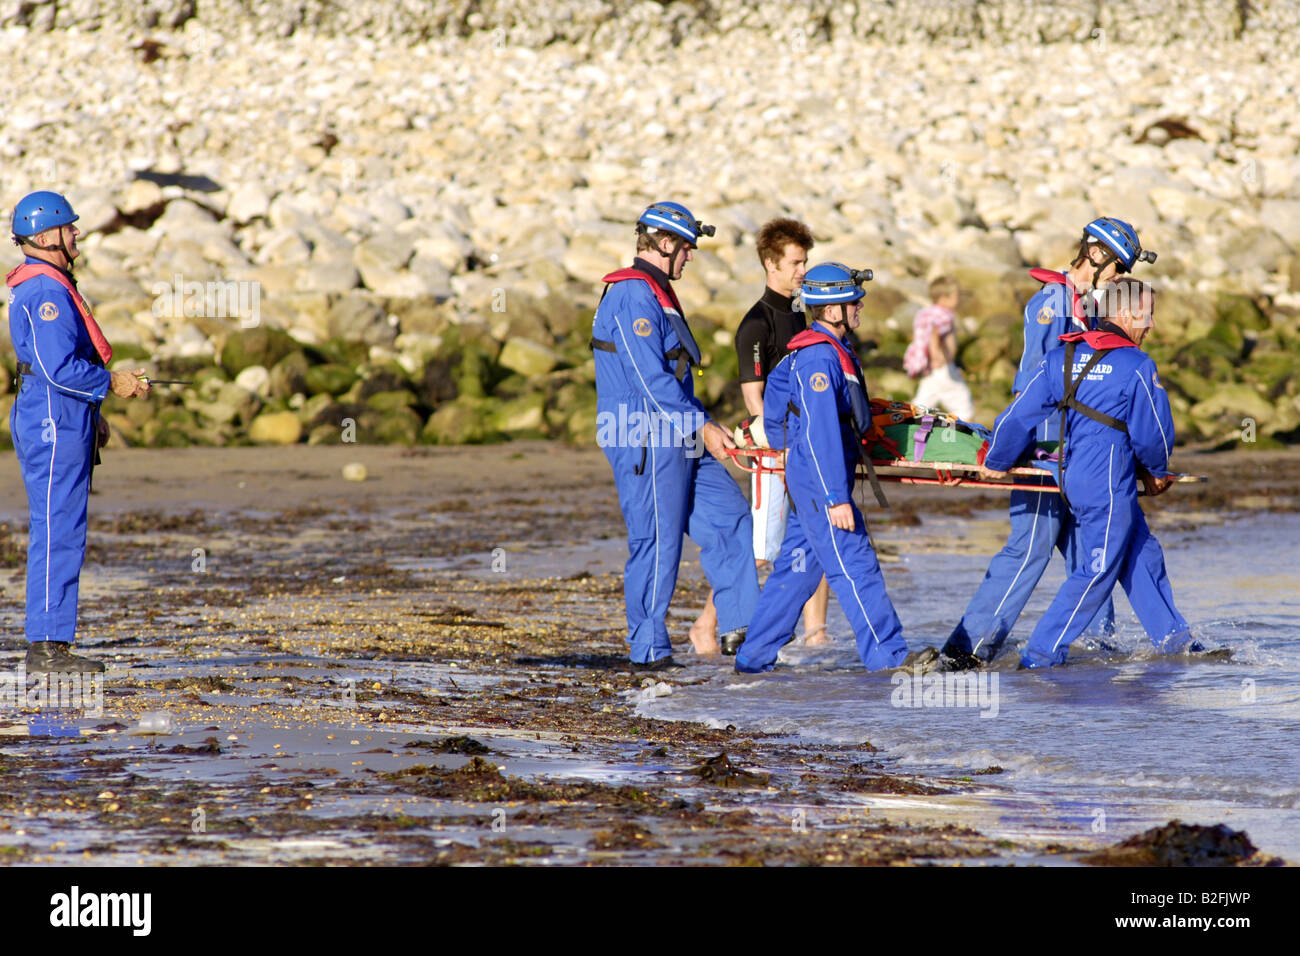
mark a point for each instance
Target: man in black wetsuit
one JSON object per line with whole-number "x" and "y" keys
{"x": 761, "y": 339}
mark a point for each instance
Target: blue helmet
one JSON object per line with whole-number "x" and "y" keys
{"x": 675, "y": 218}
{"x": 39, "y": 211}
{"x": 832, "y": 282}
{"x": 1121, "y": 239}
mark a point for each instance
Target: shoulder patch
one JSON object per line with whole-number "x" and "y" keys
{"x": 1155, "y": 379}
{"x": 48, "y": 311}
{"x": 1045, "y": 315}
{"x": 642, "y": 327}
{"x": 819, "y": 381}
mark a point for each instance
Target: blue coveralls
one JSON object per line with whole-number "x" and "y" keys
{"x": 1039, "y": 521}
{"x": 647, "y": 420}
{"x": 1101, "y": 484}
{"x": 53, "y": 424}
{"x": 819, "y": 473}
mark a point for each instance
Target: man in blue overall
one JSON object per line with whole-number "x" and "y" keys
{"x": 1116, "y": 427}
{"x": 651, "y": 427}
{"x": 815, "y": 406}
{"x": 55, "y": 421}
{"x": 1039, "y": 523}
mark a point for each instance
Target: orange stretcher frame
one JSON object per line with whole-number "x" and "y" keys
{"x": 761, "y": 461}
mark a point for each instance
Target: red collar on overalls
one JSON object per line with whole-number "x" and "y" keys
{"x": 30, "y": 270}
{"x": 848, "y": 361}
{"x": 667, "y": 297}
{"x": 1051, "y": 277}
{"x": 1100, "y": 339}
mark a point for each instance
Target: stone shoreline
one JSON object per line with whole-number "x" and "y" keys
{"x": 417, "y": 214}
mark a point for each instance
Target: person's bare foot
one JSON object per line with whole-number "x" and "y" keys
{"x": 704, "y": 632}
{"x": 704, "y": 638}
{"x": 817, "y": 637}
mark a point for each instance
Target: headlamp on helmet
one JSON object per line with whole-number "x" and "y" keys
{"x": 674, "y": 218}
{"x": 832, "y": 282}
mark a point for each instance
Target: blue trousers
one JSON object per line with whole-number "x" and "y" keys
{"x": 1115, "y": 532}
{"x": 1040, "y": 524}
{"x": 54, "y": 437}
{"x": 665, "y": 492}
{"x": 813, "y": 547}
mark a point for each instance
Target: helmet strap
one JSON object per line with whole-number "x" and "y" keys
{"x": 60, "y": 248}
{"x": 1099, "y": 269}
{"x": 842, "y": 324}
{"x": 1085, "y": 255}
{"x": 67, "y": 256}
{"x": 678, "y": 245}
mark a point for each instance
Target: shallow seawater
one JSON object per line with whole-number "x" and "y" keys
{"x": 1111, "y": 743}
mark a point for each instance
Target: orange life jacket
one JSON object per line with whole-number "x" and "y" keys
{"x": 30, "y": 270}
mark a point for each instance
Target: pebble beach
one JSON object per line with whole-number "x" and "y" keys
{"x": 384, "y": 224}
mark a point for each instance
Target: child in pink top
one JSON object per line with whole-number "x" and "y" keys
{"x": 933, "y": 352}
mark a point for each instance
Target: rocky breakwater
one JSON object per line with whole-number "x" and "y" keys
{"x": 383, "y": 233}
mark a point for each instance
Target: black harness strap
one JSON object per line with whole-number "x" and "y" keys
{"x": 680, "y": 358}
{"x": 1071, "y": 386}
{"x": 871, "y": 476}
{"x": 682, "y": 362}
{"x": 846, "y": 418}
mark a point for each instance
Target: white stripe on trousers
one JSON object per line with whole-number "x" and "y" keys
{"x": 1041, "y": 500}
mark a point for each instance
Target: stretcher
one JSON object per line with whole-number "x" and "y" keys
{"x": 951, "y": 473}
{"x": 900, "y": 448}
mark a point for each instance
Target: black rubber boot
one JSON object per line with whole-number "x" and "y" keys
{"x": 650, "y": 667}
{"x": 53, "y": 657}
{"x": 953, "y": 658}
{"x": 1198, "y": 651}
{"x": 926, "y": 660}
{"x": 731, "y": 641}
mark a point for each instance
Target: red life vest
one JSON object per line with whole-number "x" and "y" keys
{"x": 667, "y": 298}
{"x": 30, "y": 270}
{"x": 1099, "y": 339}
{"x": 681, "y": 357}
{"x": 1051, "y": 277}
{"x": 812, "y": 337}
{"x": 861, "y": 416}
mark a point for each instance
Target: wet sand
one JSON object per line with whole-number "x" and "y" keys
{"x": 429, "y": 667}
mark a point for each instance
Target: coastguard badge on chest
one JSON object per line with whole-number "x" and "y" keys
{"x": 49, "y": 311}
{"x": 819, "y": 382}
{"x": 641, "y": 327}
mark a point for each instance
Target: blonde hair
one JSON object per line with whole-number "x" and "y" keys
{"x": 942, "y": 286}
